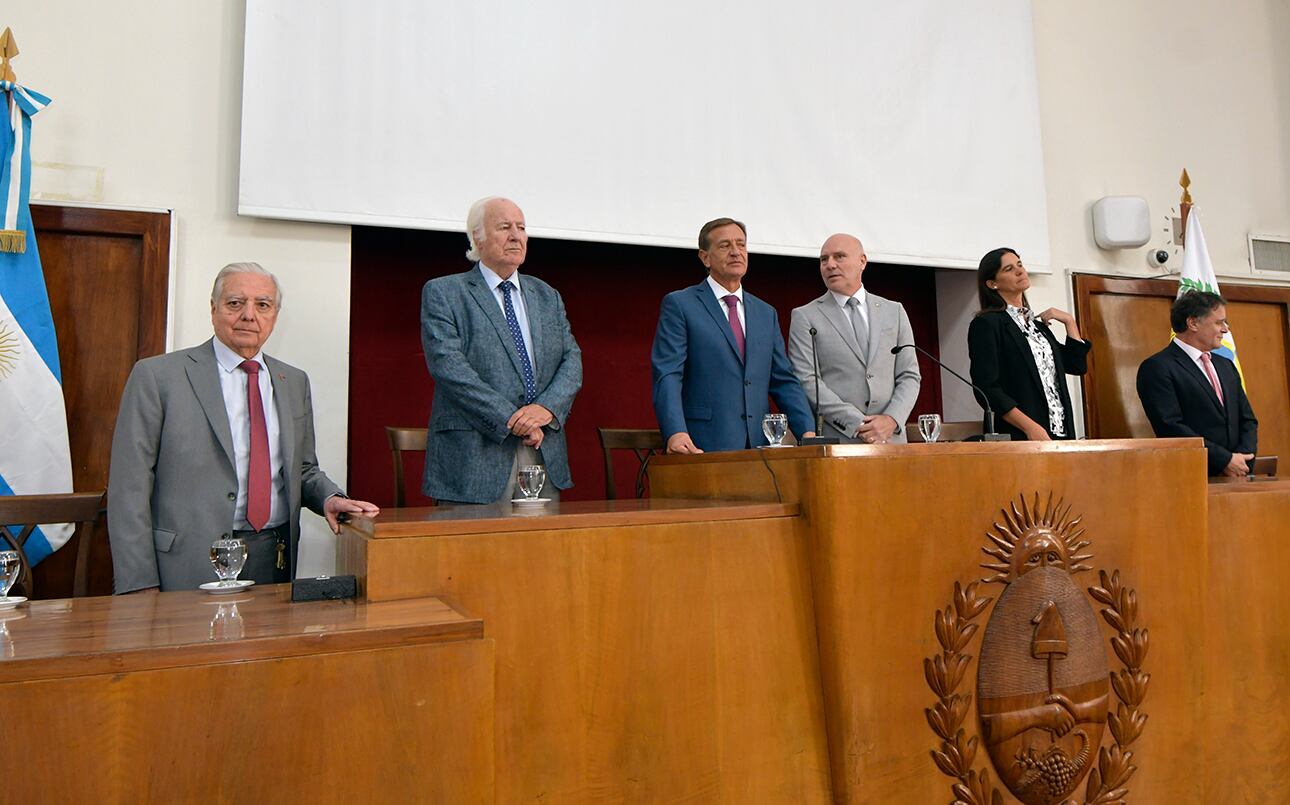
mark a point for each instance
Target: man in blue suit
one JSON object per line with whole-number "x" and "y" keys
{"x": 718, "y": 353}
{"x": 505, "y": 367}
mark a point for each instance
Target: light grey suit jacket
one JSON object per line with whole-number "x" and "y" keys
{"x": 172, "y": 485}
{"x": 853, "y": 385}
{"x": 477, "y": 384}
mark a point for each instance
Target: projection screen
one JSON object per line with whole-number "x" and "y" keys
{"x": 914, "y": 125}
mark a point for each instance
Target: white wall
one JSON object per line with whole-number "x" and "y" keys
{"x": 149, "y": 95}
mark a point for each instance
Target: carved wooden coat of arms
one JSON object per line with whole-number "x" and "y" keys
{"x": 1044, "y": 686}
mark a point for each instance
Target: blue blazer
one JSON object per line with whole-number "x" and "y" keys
{"x": 478, "y": 385}
{"x": 703, "y": 388}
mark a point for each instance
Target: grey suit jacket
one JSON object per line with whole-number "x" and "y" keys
{"x": 477, "y": 384}
{"x": 853, "y": 385}
{"x": 172, "y": 483}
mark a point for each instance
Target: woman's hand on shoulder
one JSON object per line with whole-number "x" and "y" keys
{"x": 1057, "y": 314}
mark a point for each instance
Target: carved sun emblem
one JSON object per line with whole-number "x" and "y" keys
{"x": 1036, "y": 536}
{"x": 10, "y": 350}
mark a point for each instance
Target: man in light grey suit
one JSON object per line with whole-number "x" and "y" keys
{"x": 216, "y": 441}
{"x": 866, "y": 393}
{"x": 505, "y": 367}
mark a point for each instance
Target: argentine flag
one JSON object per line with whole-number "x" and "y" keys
{"x": 1198, "y": 275}
{"x": 34, "y": 455}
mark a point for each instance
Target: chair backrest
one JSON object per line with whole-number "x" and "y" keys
{"x": 950, "y": 431}
{"x": 25, "y": 512}
{"x": 643, "y": 442}
{"x": 403, "y": 439}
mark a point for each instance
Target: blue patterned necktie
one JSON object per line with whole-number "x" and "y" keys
{"x": 513, "y": 323}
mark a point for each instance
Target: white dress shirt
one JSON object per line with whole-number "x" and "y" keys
{"x": 232, "y": 382}
{"x": 722, "y": 293}
{"x": 862, "y": 299}
{"x": 517, "y": 302}
{"x": 1195, "y": 354}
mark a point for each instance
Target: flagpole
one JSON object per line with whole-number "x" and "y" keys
{"x": 1184, "y": 204}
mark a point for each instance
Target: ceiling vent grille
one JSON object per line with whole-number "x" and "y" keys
{"x": 1270, "y": 255}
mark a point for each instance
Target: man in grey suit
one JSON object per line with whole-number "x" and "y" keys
{"x": 505, "y": 367}
{"x": 216, "y": 441}
{"x": 866, "y": 393}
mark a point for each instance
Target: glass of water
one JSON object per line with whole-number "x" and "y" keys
{"x": 10, "y": 567}
{"x": 228, "y": 556}
{"x": 775, "y": 427}
{"x": 929, "y": 425}
{"x": 531, "y": 480}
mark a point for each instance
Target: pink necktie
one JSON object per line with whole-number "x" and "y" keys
{"x": 1213, "y": 378}
{"x": 732, "y": 303}
{"x": 258, "y": 488}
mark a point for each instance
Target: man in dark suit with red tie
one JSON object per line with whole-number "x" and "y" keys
{"x": 1188, "y": 389}
{"x": 719, "y": 354}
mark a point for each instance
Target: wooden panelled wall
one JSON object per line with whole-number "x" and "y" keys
{"x": 1128, "y": 321}
{"x": 107, "y": 272}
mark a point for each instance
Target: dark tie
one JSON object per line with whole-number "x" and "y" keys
{"x": 513, "y": 323}
{"x": 259, "y": 490}
{"x": 732, "y": 303}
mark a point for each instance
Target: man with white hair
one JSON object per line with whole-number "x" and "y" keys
{"x": 217, "y": 441}
{"x": 505, "y": 366}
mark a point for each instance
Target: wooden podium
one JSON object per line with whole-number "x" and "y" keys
{"x": 893, "y": 529}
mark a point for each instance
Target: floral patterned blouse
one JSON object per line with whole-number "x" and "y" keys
{"x": 1043, "y": 354}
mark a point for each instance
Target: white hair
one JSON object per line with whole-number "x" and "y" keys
{"x": 245, "y": 268}
{"x": 475, "y": 225}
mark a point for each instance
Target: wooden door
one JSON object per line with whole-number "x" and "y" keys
{"x": 1128, "y": 321}
{"x": 107, "y": 273}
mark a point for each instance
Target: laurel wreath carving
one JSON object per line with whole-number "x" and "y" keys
{"x": 945, "y": 672}
{"x": 1107, "y": 782}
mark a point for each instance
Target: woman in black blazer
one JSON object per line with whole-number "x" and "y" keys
{"x": 1016, "y": 360}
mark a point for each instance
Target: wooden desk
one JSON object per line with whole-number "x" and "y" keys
{"x": 1247, "y": 669}
{"x": 893, "y": 527}
{"x": 647, "y": 651}
{"x": 187, "y": 697}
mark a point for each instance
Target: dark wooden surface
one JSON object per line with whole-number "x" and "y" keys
{"x": 107, "y": 273}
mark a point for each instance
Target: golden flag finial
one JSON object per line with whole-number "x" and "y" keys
{"x": 1184, "y": 182}
{"x": 8, "y": 49}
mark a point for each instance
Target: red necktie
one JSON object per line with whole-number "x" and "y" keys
{"x": 732, "y": 302}
{"x": 258, "y": 489}
{"x": 1213, "y": 378}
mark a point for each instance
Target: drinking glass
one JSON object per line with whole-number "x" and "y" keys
{"x": 228, "y": 556}
{"x": 930, "y": 426}
{"x": 775, "y": 427}
{"x": 10, "y": 566}
{"x": 531, "y": 480}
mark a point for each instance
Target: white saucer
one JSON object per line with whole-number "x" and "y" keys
{"x": 11, "y": 601}
{"x": 530, "y": 501}
{"x": 215, "y": 588}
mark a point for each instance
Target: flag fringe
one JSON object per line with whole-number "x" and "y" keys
{"x": 13, "y": 241}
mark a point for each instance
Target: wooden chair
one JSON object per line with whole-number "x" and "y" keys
{"x": 25, "y": 512}
{"x": 643, "y": 443}
{"x": 401, "y": 440}
{"x": 950, "y": 431}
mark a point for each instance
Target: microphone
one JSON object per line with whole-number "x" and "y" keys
{"x": 819, "y": 437}
{"x": 990, "y": 435}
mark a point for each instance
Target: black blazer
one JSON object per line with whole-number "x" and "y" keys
{"x": 1179, "y": 401}
{"x": 1004, "y": 368}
